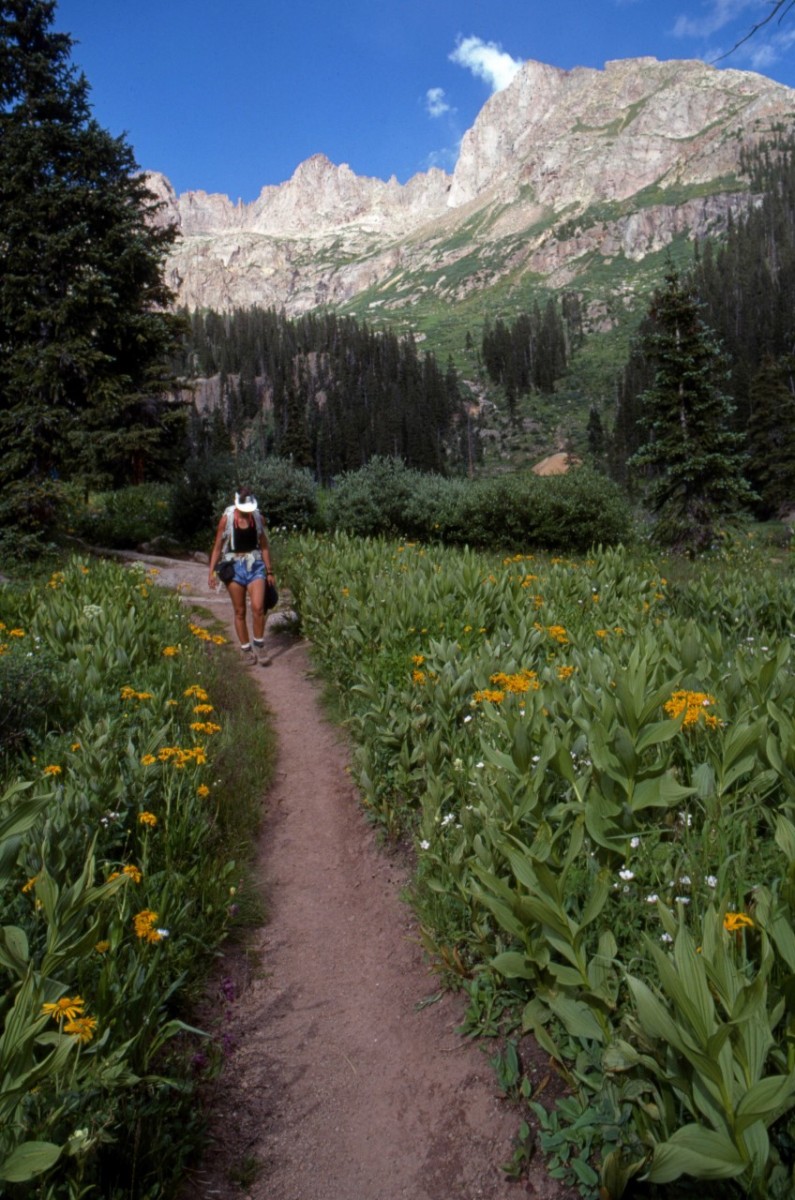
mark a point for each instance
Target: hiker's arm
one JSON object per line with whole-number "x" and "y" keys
{"x": 215, "y": 553}
{"x": 264, "y": 546}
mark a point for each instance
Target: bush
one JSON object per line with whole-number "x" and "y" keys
{"x": 372, "y": 500}
{"x": 286, "y": 495}
{"x": 193, "y": 506}
{"x": 570, "y": 512}
{"x": 122, "y": 520}
{"x": 28, "y": 683}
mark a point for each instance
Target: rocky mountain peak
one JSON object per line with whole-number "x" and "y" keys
{"x": 559, "y": 167}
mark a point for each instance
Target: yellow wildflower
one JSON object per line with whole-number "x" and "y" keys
{"x": 170, "y": 651}
{"x": 67, "y": 1007}
{"x": 144, "y": 922}
{"x": 148, "y": 759}
{"x": 53, "y": 769}
{"x": 693, "y": 705}
{"x": 207, "y": 727}
{"x": 102, "y": 947}
{"x": 733, "y": 922}
{"x": 132, "y": 872}
{"x": 83, "y": 1028}
{"x": 147, "y": 818}
{"x": 202, "y": 790}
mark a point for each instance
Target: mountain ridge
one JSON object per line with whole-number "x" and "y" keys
{"x": 562, "y": 170}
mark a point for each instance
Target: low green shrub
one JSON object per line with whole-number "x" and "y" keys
{"x": 287, "y": 495}
{"x": 567, "y": 513}
{"x": 28, "y": 682}
{"x": 124, "y": 519}
{"x": 372, "y": 500}
{"x": 193, "y": 497}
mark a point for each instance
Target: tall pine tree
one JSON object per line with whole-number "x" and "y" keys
{"x": 690, "y": 458}
{"x": 83, "y": 332}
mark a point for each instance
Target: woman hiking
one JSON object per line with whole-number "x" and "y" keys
{"x": 241, "y": 559}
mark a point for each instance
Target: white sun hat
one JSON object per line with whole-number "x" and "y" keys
{"x": 248, "y": 505}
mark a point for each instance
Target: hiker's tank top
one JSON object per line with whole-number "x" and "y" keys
{"x": 244, "y": 540}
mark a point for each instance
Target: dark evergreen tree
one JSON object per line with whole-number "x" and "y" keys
{"x": 771, "y": 437}
{"x": 83, "y": 336}
{"x": 690, "y": 458}
{"x": 596, "y": 436}
{"x": 331, "y": 392}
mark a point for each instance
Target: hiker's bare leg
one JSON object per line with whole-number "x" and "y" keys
{"x": 237, "y": 594}
{"x": 256, "y": 594}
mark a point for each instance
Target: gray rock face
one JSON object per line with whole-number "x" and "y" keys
{"x": 558, "y": 167}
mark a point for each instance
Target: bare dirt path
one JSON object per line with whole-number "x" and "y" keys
{"x": 340, "y": 1084}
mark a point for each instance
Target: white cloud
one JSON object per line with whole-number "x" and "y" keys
{"x": 719, "y": 14}
{"x": 445, "y": 159}
{"x": 435, "y": 103}
{"x": 486, "y": 60}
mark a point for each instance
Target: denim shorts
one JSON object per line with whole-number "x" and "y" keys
{"x": 247, "y": 570}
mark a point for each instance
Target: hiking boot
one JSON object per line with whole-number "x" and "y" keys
{"x": 249, "y": 656}
{"x": 262, "y": 657}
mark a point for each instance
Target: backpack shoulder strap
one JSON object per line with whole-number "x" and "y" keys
{"x": 229, "y": 513}
{"x": 259, "y": 521}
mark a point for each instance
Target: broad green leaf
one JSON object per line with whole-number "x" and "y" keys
{"x": 772, "y": 1095}
{"x": 660, "y": 792}
{"x": 23, "y": 814}
{"x": 513, "y": 965}
{"x": 785, "y": 837}
{"x": 29, "y": 1160}
{"x": 697, "y": 1151}
{"x": 14, "y": 951}
{"x": 704, "y": 781}
{"x": 577, "y": 1018}
{"x": 660, "y": 731}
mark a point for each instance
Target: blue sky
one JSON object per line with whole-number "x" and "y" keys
{"x": 231, "y": 97}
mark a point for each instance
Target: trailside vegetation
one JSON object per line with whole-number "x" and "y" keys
{"x": 121, "y": 858}
{"x": 597, "y": 766}
{"x": 84, "y": 338}
{"x": 322, "y": 391}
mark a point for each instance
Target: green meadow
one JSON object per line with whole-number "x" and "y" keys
{"x": 126, "y": 821}
{"x": 594, "y": 761}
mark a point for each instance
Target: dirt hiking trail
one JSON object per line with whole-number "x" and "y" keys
{"x": 339, "y": 1082}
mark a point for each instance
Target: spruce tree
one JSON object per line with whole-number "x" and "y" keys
{"x": 771, "y": 437}
{"x": 84, "y": 337}
{"x": 690, "y": 457}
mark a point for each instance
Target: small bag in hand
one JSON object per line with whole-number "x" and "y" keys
{"x": 271, "y": 595}
{"x": 225, "y": 571}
